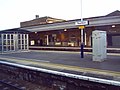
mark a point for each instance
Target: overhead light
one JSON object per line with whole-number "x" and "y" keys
{"x": 50, "y": 21}
{"x": 35, "y": 32}
{"x": 113, "y": 26}
{"x": 65, "y": 30}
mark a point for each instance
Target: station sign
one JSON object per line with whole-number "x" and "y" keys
{"x": 81, "y": 23}
{"x": 81, "y": 27}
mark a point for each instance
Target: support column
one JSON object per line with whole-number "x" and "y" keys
{"x": 47, "y": 39}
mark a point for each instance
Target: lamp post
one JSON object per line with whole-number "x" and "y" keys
{"x": 82, "y": 44}
{"x": 82, "y": 32}
{"x": 81, "y": 12}
{"x": 81, "y": 25}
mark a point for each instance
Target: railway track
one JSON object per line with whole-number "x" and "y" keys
{"x": 9, "y": 85}
{"x": 50, "y": 80}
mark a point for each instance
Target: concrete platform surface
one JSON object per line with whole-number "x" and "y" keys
{"x": 70, "y": 62}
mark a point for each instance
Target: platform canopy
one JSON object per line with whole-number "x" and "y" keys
{"x": 110, "y": 19}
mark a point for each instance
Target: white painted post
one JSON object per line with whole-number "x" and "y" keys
{"x": 47, "y": 39}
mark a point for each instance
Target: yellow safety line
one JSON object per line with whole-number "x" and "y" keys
{"x": 64, "y": 67}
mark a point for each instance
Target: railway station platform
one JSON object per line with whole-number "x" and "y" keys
{"x": 86, "y": 49}
{"x": 67, "y": 61}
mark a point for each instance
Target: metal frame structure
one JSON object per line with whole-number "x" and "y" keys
{"x": 13, "y": 42}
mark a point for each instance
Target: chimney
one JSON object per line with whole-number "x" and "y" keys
{"x": 36, "y": 16}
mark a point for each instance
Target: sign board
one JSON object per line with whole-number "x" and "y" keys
{"x": 81, "y": 23}
{"x": 81, "y": 27}
{"x": 32, "y": 42}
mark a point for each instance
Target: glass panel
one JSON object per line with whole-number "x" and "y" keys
{"x": 0, "y": 40}
{"x": 5, "y": 49}
{"x": 4, "y": 42}
{"x": 23, "y": 36}
{"x": 0, "y": 48}
{"x": 9, "y": 48}
{"x": 22, "y": 41}
{"x": 4, "y": 36}
{"x": 19, "y": 41}
{"x": 8, "y": 36}
{"x": 19, "y": 47}
{"x": 8, "y": 42}
{"x": 12, "y": 47}
{"x": 22, "y": 46}
{"x": 12, "y": 42}
{"x": 26, "y": 36}
{"x": 18, "y": 36}
{"x": 25, "y": 46}
{"x": 11, "y": 36}
{"x": 25, "y": 42}
{"x": 0, "y": 36}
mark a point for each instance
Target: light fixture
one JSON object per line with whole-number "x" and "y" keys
{"x": 65, "y": 30}
{"x": 113, "y": 26}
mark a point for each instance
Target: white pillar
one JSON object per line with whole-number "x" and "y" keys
{"x": 85, "y": 38}
{"x": 47, "y": 39}
{"x": 2, "y": 42}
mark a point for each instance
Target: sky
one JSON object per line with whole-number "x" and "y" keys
{"x": 12, "y": 12}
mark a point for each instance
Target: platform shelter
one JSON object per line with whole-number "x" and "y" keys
{"x": 13, "y": 42}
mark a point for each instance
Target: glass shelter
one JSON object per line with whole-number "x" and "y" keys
{"x": 13, "y": 42}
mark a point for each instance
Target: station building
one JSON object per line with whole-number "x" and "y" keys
{"x": 47, "y": 31}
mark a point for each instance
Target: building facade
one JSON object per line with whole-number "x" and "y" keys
{"x": 47, "y": 31}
